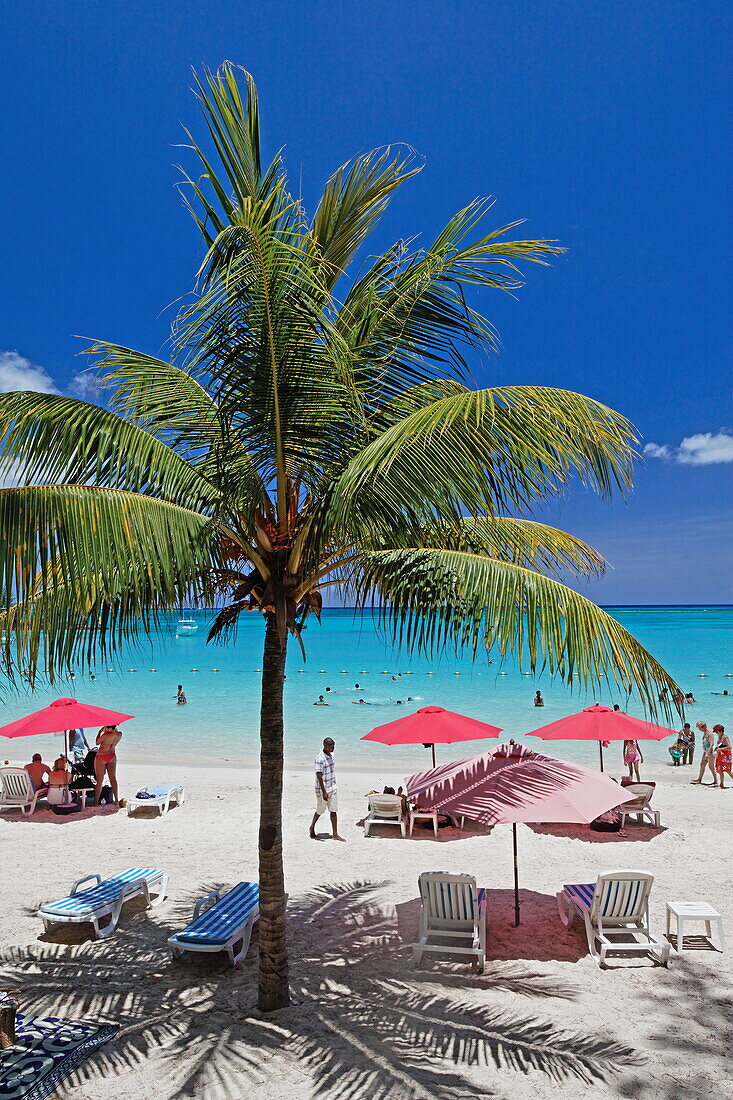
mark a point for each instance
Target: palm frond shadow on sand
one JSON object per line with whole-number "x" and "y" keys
{"x": 687, "y": 1014}
{"x": 364, "y": 1023}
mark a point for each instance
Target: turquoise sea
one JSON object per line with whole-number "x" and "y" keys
{"x": 222, "y": 683}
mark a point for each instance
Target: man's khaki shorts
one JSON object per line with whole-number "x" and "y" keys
{"x": 331, "y": 804}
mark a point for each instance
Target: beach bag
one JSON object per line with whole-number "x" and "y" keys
{"x": 64, "y": 811}
{"x": 106, "y": 796}
{"x": 610, "y": 822}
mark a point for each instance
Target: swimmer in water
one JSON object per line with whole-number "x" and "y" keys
{"x": 720, "y": 693}
{"x": 181, "y": 696}
{"x": 321, "y": 702}
{"x": 538, "y": 700}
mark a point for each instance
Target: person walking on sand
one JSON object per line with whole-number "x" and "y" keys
{"x": 708, "y": 753}
{"x": 632, "y": 758}
{"x": 108, "y": 739}
{"x": 723, "y": 756}
{"x": 687, "y": 740}
{"x": 326, "y": 794}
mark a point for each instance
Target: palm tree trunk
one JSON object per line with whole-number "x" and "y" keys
{"x": 274, "y": 992}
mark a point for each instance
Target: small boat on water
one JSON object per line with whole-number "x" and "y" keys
{"x": 186, "y": 626}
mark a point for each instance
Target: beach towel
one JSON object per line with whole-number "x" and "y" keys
{"x": 46, "y": 1051}
{"x": 155, "y": 792}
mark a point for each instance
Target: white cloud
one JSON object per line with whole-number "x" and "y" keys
{"x": 18, "y": 373}
{"x": 657, "y": 450}
{"x": 85, "y": 385}
{"x": 703, "y": 449}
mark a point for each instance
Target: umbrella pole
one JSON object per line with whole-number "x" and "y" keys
{"x": 432, "y": 748}
{"x": 516, "y": 876}
{"x": 600, "y": 749}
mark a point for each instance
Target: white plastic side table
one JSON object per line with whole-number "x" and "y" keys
{"x": 424, "y": 815}
{"x": 694, "y": 910}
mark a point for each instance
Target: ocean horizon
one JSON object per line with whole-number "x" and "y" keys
{"x": 221, "y": 719}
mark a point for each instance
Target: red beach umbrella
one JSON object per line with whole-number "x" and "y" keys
{"x": 515, "y": 784}
{"x": 601, "y": 724}
{"x": 62, "y": 714}
{"x": 432, "y": 726}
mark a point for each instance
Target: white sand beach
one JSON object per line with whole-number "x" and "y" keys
{"x": 543, "y": 1019}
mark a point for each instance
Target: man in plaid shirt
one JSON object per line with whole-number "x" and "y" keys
{"x": 326, "y": 795}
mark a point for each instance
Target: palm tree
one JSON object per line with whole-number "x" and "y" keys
{"x": 312, "y": 430}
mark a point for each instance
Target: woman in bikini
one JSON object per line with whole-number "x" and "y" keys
{"x": 632, "y": 758}
{"x": 108, "y": 739}
{"x": 723, "y": 756}
{"x": 708, "y": 753}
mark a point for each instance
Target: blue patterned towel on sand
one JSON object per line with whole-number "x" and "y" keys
{"x": 46, "y": 1051}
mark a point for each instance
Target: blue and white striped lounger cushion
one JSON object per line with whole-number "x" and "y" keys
{"x": 217, "y": 923}
{"x": 620, "y": 898}
{"x": 104, "y": 894}
{"x": 581, "y": 893}
{"x": 451, "y": 900}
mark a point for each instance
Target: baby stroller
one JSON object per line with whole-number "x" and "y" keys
{"x": 83, "y": 777}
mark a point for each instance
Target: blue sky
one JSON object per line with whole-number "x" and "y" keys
{"x": 606, "y": 125}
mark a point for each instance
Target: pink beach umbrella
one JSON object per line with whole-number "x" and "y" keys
{"x": 515, "y": 784}
{"x": 432, "y": 726}
{"x": 62, "y": 715}
{"x": 601, "y": 724}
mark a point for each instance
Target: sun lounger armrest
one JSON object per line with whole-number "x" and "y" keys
{"x": 201, "y": 904}
{"x": 88, "y": 878}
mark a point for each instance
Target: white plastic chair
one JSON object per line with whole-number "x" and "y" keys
{"x": 640, "y": 806}
{"x": 159, "y": 798}
{"x": 612, "y": 909}
{"x": 17, "y": 792}
{"x": 454, "y": 908}
{"x": 385, "y": 809}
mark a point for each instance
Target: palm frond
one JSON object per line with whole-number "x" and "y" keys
{"x": 526, "y": 542}
{"x": 93, "y": 540}
{"x": 259, "y": 332}
{"x": 175, "y": 407}
{"x": 487, "y": 451}
{"x": 407, "y": 317}
{"x": 234, "y": 180}
{"x": 48, "y": 438}
{"x": 353, "y": 200}
{"x": 430, "y": 598}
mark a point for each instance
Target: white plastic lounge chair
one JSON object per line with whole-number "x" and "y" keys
{"x": 221, "y": 923}
{"x": 160, "y": 798}
{"x": 385, "y": 809}
{"x": 452, "y": 908}
{"x": 17, "y": 792}
{"x": 105, "y": 899}
{"x": 617, "y": 905}
{"x": 640, "y": 806}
